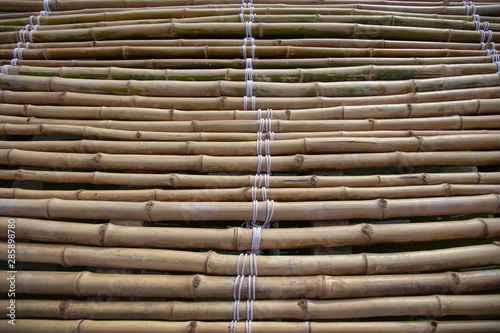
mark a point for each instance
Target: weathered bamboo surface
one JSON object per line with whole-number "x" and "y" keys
{"x": 240, "y": 239}
{"x": 434, "y": 306}
{"x": 216, "y": 287}
{"x": 91, "y": 326}
{"x": 220, "y": 264}
{"x": 224, "y": 181}
{"x": 155, "y": 211}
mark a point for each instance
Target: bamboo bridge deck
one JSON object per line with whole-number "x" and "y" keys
{"x": 298, "y": 166}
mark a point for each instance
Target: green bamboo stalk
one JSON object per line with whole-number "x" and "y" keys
{"x": 431, "y": 306}
{"x": 240, "y": 239}
{"x": 154, "y": 211}
{"x": 213, "y": 263}
{"x": 357, "y": 73}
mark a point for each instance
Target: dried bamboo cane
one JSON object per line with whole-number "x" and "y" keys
{"x": 154, "y": 211}
{"x": 430, "y": 306}
{"x": 320, "y": 62}
{"x": 213, "y": 263}
{"x": 358, "y": 73}
{"x": 225, "y": 181}
{"x": 240, "y": 239}
{"x": 409, "y": 110}
{"x": 207, "y": 163}
{"x": 90, "y": 326}
{"x": 276, "y": 147}
{"x": 103, "y": 133}
{"x": 221, "y": 287}
{"x": 233, "y": 89}
{"x": 260, "y": 30}
{"x": 234, "y": 103}
{"x": 248, "y": 194}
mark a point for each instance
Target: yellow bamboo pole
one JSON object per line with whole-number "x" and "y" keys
{"x": 212, "y": 263}
{"x": 154, "y": 211}
{"x": 431, "y": 306}
{"x": 240, "y": 239}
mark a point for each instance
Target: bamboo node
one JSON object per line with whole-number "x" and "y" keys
{"x": 192, "y": 327}
{"x": 303, "y": 306}
{"x": 367, "y": 233}
{"x": 96, "y": 159}
{"x": 149, "y": 209}
{"x": 174, "y": 180}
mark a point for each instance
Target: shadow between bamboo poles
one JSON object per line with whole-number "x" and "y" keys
{"x": 430, "y": 306}
{"x": 260, "y": 30}
{"x": 320, "y": 62}
{"x": 223, "y": 181}
{"x": 356, "y": 73}
{"x": 104, "y": 133}
{"x": 213, "y": 263}
{"x": 276, "y": 147}
{"x": 206, "y": 163}
{"x": 248, "y": 194}
{"x": 240, "y": 239}
{"x": 234, "y": 103}
{"x": 90, "y": 326}
{"x": 155, "y": 211}
{"x": 221, "y": 287}
{"x": 236, "y": 89}
{"x": 277, "y": 126}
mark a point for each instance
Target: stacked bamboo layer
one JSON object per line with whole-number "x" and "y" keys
{"x": 133, "y": 132}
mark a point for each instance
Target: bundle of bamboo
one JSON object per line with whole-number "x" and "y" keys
{"x": 253, "y": 107}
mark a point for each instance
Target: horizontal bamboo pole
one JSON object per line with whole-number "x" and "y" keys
{"x": 430, "y": 306}
{"x": 156, "y": 88}
{"x": 225, "y": 181}
{"x": 90, "y": 326}
{"x": 233, "y": 103}
{"x": 276, "y": 147}
{"x": 357, "y": 73}
{"x": 259, "y": 30}
{"x": 154, "y": 211}
{"x": 481, "y": 122}
{"x": 207, "y": 163}
{"x": 104, "y": 133}
{"x": 247, "y": 193}
{"x": 222, "y": 287}
{"x": 212, "y": 263}
{"x": 408, "y": 110}
{"x": 240, "y": 239}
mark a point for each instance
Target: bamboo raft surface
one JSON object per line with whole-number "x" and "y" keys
{"x": 250, "y": 166}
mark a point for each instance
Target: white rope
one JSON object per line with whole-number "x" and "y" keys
{"x": 490, "y": 36}
{"x": 4, "y": 70}
{"x": 249, "y": 89}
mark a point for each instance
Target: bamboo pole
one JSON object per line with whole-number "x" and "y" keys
{"x": 225, "y": 181}
{"x": 276, "y": 147}
{"x": 247, "y": 193}
{"x": 212, "y": 263}
{"x": 207, "y": 163}
{"x": 155, "y": 211}
{"x": 430, "y": 306}
{"x": 90, "y": 326}
{"x": 260, "y": 30}
{"x": 104, "y": 133}
{"x": 240, "y": 239}
{"x": 233, "y": 103}
{"x": 357, "y": 73}
{"x": 409, "y": 110}
{"x": 222, "y": 287}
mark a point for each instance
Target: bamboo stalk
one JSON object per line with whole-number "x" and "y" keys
{"x": 207, "y": 163}
{"x": 260, "y": 30}
{"x": 221, "y": 287}
{"x": 213, "y": 263}
{"x": 247, "y": 194}
{"x": 409, "y": 110}
{"x": 276, "y": 148}
{"x": 233, "y": 103}
{"x": 240, "y": 239}
{"x": 155, "y": 211}
{"x": 90, "y": 326}
{"x": 358, "y": 73}
{"x": 431, "y": 306}
{"x": 225, "y": 181}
